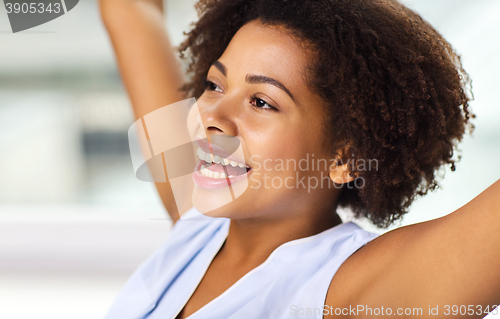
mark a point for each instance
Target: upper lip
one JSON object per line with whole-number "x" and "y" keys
{"x": 217, "y": 150}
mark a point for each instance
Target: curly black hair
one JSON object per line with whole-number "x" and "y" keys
{"x": 395, "y": 89}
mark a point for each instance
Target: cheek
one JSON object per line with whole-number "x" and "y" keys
{"x": 294, "y": 143}
{"x": 301, "y": 152}
{"x": 282, "y": 141}
{"x": 269, "y": 151}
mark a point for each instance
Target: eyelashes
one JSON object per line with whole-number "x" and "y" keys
{"x": 260, "y": 103}
{"x": 256, "y": 102}
{"x": 210, "y": 86}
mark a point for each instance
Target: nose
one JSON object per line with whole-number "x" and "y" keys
{"x": 219, "y": 117}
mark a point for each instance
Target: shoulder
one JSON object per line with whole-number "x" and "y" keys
{"x": 191, "y": 237}
{"x": 444, "y": 261}
{"x": 190, "y": 234}
{"x": 362, "y": 272}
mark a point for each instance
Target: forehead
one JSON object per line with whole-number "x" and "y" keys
{"x": 268, "y": 50}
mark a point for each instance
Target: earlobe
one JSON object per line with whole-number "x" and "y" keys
{"x": 340, "y": 174}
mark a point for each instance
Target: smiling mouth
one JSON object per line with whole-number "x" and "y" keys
{"x": 218, "y": 167}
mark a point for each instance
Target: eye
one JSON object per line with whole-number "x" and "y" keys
{"x": 211, "y": 86}
{"x": 261, "y": 104}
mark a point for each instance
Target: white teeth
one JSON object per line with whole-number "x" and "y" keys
{"x": 210, "y": 158}
{"x": 208, "y": 173}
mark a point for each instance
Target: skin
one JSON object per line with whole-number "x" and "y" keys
{"x": 262, "y": 218}
{"x": 147, "y": 65}
{"x": 268, "y": 134}
{"x": 447, "y": 261}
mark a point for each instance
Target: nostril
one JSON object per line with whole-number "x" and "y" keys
{"x": 214, "y": 128}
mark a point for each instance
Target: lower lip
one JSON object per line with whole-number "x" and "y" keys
{"x": 215, "y": 183}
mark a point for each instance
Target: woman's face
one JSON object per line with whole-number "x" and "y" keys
{"x": 257, "y": 94}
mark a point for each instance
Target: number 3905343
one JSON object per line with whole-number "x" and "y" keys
{"x": 33, "y": 7}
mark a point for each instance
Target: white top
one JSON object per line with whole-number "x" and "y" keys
{"x": 291, "y": 283}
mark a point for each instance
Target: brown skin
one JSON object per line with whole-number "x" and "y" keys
{"x": 438, "y": 262}
{"x": 148, "y": 67}
{"x": 272, "y": 135}
{"x": 447, "y": 261}
{"x": 264, "y": 218}
{"x": 396, "y": 90}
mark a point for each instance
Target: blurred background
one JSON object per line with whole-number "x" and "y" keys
{"x": 74, "y": 221}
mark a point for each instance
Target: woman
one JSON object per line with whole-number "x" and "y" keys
{"x": 350, "y": 82}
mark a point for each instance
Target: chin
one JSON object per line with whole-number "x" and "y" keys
{"x": 221, "y": 201}
{"x": 212, "y": 203}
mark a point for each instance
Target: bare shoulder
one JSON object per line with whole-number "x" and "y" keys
{"x": 359, "y": 276}
{"x": 447, "y": 261}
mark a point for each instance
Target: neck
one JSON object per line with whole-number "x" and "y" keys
{"x": 251, "y": 241}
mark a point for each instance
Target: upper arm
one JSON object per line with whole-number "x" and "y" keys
{"x": 148, "y": 66}
{"x": 448, "y": 261}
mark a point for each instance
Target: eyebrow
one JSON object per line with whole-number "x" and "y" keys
{"x": 220, "y": 67}
{"x": 256, "y": 79}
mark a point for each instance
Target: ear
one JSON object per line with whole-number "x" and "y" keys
{"x": 341, "y": 173}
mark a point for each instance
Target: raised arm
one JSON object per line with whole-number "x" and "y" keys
{"x": 450, "y": 265}
{"x": 148, "y": 66}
